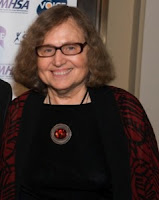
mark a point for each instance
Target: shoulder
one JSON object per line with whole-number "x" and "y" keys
{"x": 121, "y": 96}
{"x": 6, "y": 89}
{"x": 133, "y": 115}
{"x": 4, "y": 85}
{"x": 129, "y": 105}
{"x": 27, "y": 96}
{"x": 125, "y": 99}
{"x": 22, "y": 97}
{"x": 5, "y": 94}
{"x": 120, "y": 93}
{"x": 130, "y": 109}
{"x": 19, "y": 101}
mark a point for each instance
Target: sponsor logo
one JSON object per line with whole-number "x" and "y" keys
{"x": 2, "y": 36}
{"x": 15, "y": 6}
{"x": 19, "y": 37}
{"x": 5, "y": 70}
{"x": 46, "y": 4}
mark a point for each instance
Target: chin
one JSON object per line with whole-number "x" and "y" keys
{"x": 61, "y": 88}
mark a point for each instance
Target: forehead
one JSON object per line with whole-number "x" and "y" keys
{"x": 68, "y": 29}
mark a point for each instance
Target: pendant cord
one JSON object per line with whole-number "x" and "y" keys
{"x": 80, "y": 103}
{"x": 84, "y": 97}
{"x": 49, "y": 100}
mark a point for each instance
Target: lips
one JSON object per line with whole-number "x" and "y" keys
{"x": 61, "y": 72}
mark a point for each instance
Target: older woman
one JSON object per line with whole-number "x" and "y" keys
{"x": 71, "y": 136}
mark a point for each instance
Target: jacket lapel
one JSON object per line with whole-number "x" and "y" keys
{"x": 28, "y": 126}
{"x": 113, "y": 140}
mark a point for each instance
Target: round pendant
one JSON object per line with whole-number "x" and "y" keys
{"x": 60, "y": 134}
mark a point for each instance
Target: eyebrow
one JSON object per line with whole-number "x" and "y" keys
{"x": 60, "y": 45}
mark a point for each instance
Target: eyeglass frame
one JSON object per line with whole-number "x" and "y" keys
{"x": 82, "y": 45}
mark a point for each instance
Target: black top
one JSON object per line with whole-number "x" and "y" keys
{"x": 75, "y": 170}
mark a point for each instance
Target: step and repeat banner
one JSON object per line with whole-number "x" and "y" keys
{"x": 15, "y": 17}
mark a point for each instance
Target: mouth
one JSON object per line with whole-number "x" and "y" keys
{"x": 61, "y": 72}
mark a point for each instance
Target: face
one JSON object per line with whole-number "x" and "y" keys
{"x": 62, "y": 72}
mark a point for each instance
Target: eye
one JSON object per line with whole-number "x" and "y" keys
{"x": 47, "y": 50}
{"x": 70, "y": 47}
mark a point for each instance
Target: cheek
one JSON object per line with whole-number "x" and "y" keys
{"x": 39, "y": 63}
{"x": 85, "y": 59}
{"x": 42, "y": 64}
{"x": 81, "y": 61}
{"x": 85, "y": 64}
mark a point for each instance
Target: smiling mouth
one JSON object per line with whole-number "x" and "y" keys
{"x": 60, "y": 73}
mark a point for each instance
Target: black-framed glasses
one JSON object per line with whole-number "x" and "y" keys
{"x": 66, "y": 49}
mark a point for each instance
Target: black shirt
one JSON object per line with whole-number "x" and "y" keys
{"x": 75, "y": 170}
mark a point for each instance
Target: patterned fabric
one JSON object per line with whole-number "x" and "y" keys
{"x": 144, "y": 156}
{"x": 7, "y": 149}
{"x": 144, "y": 159}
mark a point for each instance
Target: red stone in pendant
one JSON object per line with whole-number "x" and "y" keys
{"x": 60, "y": 133}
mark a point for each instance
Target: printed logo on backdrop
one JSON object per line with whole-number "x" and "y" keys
{"x": 2, "y": 36}
{"x": 14, "y": 6}
{"x": 46, "y": 4}
{"x": 5, "y": 71}
{"x": 19, "y": 37}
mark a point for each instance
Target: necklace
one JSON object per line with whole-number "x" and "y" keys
{"x": 84, "y": 97}
{"x": 61, "y": 133}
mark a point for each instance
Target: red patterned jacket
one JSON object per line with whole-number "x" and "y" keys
{"x": 142, "y": 148}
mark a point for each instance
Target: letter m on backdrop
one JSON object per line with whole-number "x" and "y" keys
{"x": 3, "y": 3}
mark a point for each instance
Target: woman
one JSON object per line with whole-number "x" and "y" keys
{"x": 71, "y": 136}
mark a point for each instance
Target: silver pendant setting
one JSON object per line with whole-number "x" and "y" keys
{"x": 60, "y": 134}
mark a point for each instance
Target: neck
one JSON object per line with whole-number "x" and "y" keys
{"x": 74, "y": 98}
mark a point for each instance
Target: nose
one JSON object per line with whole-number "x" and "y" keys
{"x": 59, "y": 58}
